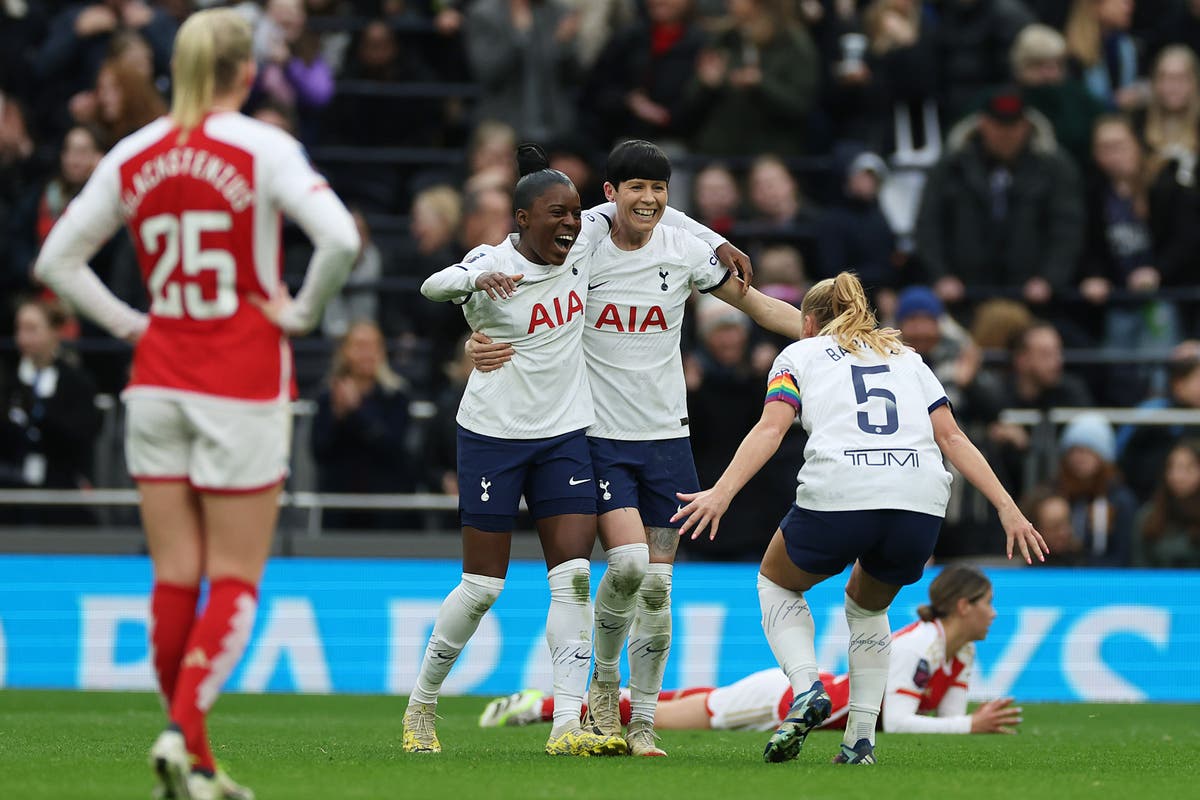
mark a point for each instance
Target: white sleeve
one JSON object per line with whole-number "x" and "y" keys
{"x": 88, "y": 222}
{"x": 908, "y": 672}
{"x": 707, "y": 272}
{"x": 306, "y": 198}
{"x": 672, "y": 218}
{"x": 932, "y": 390}
{"x": 457, "y": 281}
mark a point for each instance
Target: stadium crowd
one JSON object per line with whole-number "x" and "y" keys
{"x": 1013, "y": 181}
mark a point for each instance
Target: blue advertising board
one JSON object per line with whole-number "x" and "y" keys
{"x": 360, "y": 626}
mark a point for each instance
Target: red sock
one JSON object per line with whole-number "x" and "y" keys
{"x": 626, "y": 710}
{"x": 213, "y": 650}
{"x": 548, "y": 709}
{"x": 172, "y": 612}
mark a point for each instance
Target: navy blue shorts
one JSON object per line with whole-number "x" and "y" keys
{"x": 554, "y": 474}
{"x": 892, "y": 545}
{"x": 644, "y": 475}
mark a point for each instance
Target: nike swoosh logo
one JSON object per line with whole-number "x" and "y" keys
{"x": 574, "y": 482}
{"x": 597, "y": 285}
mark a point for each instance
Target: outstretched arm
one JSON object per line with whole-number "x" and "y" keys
{"x": 769, "y": 312}
{"x": 967, "y": 459}
{"x": 707, "y": 507}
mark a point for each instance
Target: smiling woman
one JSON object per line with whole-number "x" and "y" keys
{"x": 527, "y": 290}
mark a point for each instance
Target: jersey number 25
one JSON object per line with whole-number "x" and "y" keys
{"x": 863, "y": 395}
{"x": 176, "y": 241}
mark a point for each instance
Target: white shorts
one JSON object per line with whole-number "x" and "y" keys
{"x": 751, "y": 704}
{"x": 215, "y": 445}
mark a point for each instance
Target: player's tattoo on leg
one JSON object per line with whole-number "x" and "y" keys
{"x": 663, "y": 543}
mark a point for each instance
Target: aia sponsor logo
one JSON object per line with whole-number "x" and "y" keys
{"x": 632, "y": 319}
{"x": 554, "y": 315}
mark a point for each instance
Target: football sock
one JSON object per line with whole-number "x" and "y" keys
{"x": 616, "y": 598}
{"x": 456, "y": 622}
{"x": 213, "y": 649}
{"x": 870, "y": 651}
{"x": 788, "y": 624}
{"x": 568, "y": 632}
{"x": 650, "y": 641}
{"x": 172, "y": 614}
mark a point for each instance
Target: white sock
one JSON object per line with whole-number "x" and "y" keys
{"x": 568, "y": 632}
{"x": 616, "y": 598}
{"x": 650, "y": 642}
{"x": 870, "y": 652}
{"x": 456, "y": 622}
{"x": 788, "y": 624}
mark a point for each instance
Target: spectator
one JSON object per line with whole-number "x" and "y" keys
{"x": 1103, "y": 53}
{"x": 1037, "y": 379}
{"x": 78, "y": 43}
{"x": 1050, "y": 513}
{"x": 723, "y": 405}
{"x": 16, "y": 167}
{"x": 438, "y": 232}
{"x": 291, "y": 71}
{"x": 897, "y": 68}
{"x": 521, "y": 54}
{"x": 1002, "y": 208}
{"x": 755, "y": 87}
{"x": 1169, "y": 126}
{"x": 571, "y": 156}
{"x": 997, "y": 321}
{"x": 855, "y": 234}
{"x": 125, "y": 99}
{"x": 974, "y": 40}
{"x": 637, "y": 87}
{"x": 1142, "y": 234}
{"x": 359, "y": 298}
{"x": 599, "y": 22}
{"x": 718, "y": 200}
{"x": 775, "y": 199}
{"x": 780, "y": 273}
{"x": 944, "y": 346}
{"x": 360, "y": 432}
{"x": 1143, "y": 448}
{"x": 1039, "y": 62}
{"x": 50, "y": 419}
{"x": 379, "y": 56}
{"x": 1102, "y": 506}
{"x": 487, "y": 218}
{"x": 1168, "y": 527}
{"x": 490, "y": 154}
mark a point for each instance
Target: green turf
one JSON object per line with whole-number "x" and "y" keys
{"x": 75, "y": 746}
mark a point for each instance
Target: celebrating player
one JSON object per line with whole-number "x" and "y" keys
{"x": 872, "y": 492}
{"x": 933, "y": 661}
{"x": 208, "y": 430}
{"x": 641, "y": 278}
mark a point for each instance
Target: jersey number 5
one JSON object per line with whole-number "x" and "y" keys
{"x": 863, "y": 395}
{"x": 176, "y": 241}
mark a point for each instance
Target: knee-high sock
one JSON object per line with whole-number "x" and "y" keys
{"x": 870, "y": 651}
{"x": 788, "y": 624}
{"x": 650, "y": 641}
{"x": 172, "y": 615}
{"x": 213, "y": 649}
{"x": 569, "y": 634}
{"x": 616, "y": 598}
{"x": 456, "y": 622}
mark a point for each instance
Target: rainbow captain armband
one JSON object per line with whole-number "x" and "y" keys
{"x": 783, "y": 387}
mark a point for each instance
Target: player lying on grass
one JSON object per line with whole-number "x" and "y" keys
{"x": 933, "y": 660}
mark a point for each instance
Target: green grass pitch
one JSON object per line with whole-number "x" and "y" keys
{"x": 83, "y": 745}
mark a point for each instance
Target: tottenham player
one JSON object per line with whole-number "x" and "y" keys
{"x": 872, "y": 492}
{"x": 208, "y": 426}
{"x": 641, "y": 277}
{"x": 933, "y": 661}
{"x": 521, "y": 431}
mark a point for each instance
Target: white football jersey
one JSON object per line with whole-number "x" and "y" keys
{"x": 635, "y": 305}
{"x": 871, "y": 442}
{"x": 924, "y": 678}
{"x": 543, "y": 391}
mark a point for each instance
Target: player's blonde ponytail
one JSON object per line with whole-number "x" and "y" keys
{"x": 839, "y": 305}
{"x": 210, "y": 48}
{"x": 953, "y": 583}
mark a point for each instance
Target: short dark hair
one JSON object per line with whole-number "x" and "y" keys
{"x": 637, "y": 158}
